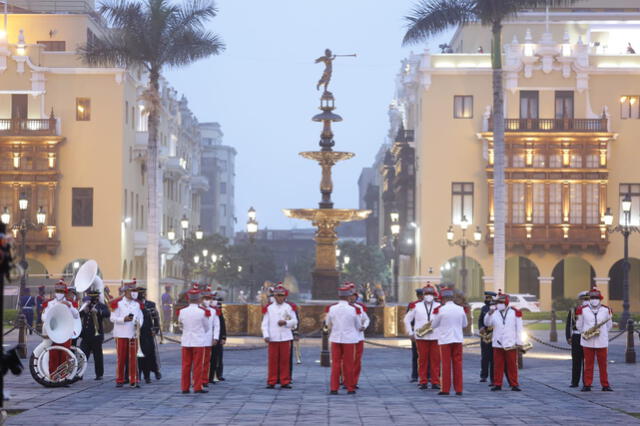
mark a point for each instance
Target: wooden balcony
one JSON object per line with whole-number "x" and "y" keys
{"x": 547, "y": 237}
{"x": 594, "y": 125}
{"x": 28, "y": 126}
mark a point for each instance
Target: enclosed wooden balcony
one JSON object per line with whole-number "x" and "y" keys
{"x": 28, "y": 126}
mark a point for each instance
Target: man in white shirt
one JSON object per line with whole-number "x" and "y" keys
{"x": 364, "y": 319}
{"x": 56, "y": 358}
{"x": 421, "y": 313}
{"x": 195, "y": 326}
{"x": 346, "y": 325}
{"x": 126, "y": 313}
{"x": 278, "y": 320}
{"x": 507, "y": 338}
{"x": 449, "y": 321}
{"x": 212, "y": 336}
{"x": 595, "y": 315}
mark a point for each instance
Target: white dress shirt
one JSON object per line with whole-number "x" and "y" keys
{"x": 124, "y": 307}
{"x": 449, "y": 320}
{"x": 273, "y": 313}
{"x": 364, "y": 320}
{"x": 507, "y": 327}
{"x": 589, "y": 317}
{"x": 195, "y": 326}
{"x": 344, "y": 320}
{"x": 420, "y": 312}
{"x": 214, "y": 326}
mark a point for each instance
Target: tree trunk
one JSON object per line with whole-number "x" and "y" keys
{"x": 153, "y": 172}
{"x": 499, "y": 189}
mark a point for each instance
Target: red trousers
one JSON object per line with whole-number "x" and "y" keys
{"x": 279, "y": 363}
{"x": 428, "y": 353}
{"x": 342, "y": 360}
{"x": 500, "y": 356}
{"x": 589, "y": 355}
{"x": 56, "y": 358}
{"x": 127, "y": 348}
{"x": 192, "y": 363}
{"x": 451, "y": 359}
{"x": 357, "y": 367}
{"x": 206, "y": 364}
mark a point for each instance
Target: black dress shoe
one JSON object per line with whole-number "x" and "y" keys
{"x": 357, "y": 387}
{"x": 270, "y": 387}
{"x": 423, "y": 386}
{"x": 496, "y": 388}
{"x": 573, "y": 385}
{"x": 607, "y": 389}
{"x": 185, "y": 392}
{"x": 158, "y": 375}
{"x": 435, "y": 386}
{"x": 135, "y": 385}
{"x": 586, "y": 389}
{"x": 119, "y": 385}
{"x": 205, "y": 385}
{"x": 458, "y": 393}
{"x": 201, "y": 391}
{"x": 286, "y": 387}
{"x": 351, "y": 392}
{"x": 333, "y": 393}
{"x": 516, "y": 389}
{"x": 483, "y": 380}
{"x": 443, "y": 393}
{"x": 221, "y": 379}
{"x": 413, "y": 380}
{"x": 147, "y": 380}
{"x": 98, "y": 378}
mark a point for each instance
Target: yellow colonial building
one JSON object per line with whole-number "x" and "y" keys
{"x": 572, "y": 109}
{"x": 73, "y": 143}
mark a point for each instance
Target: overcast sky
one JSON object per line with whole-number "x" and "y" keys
{"x": 262, "y": 92}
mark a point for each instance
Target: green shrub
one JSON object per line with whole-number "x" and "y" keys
{"x": 9, "y": 315}
{"x": 563, "y": 304}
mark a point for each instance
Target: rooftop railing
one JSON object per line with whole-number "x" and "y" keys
{"x": 28, "y": 126}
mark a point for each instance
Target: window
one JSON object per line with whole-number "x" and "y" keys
{"x": 555, "y": 161}
{"x": 564, "y": 104}
{"x": 575, "y": 203}
{"x": 223, "y": 187}
{"x": 517, "y": 160}
{"x": 83, "y": 109}
{"x": 592, "y": 204}
{"x": 575, "y": 161}
{"x": 223, "y": 210}
{"x": 52, "y": 46}
{"x": 633, "y": 189}
{"x": 539, "y": 160}
{"x": 538, "y": 203}
{"x": 461, "y": 202}
{"x": 517, "y": 202}
{"x": 593, "y": 161}
{"x": 555, "y": 203}
{"x": 82, "y": 207}
{"x": 19, "y": 106}
{"x": 463, "y": 107}
{"x": 629, "y": 107}
{"x": 126, "y": 112}
{"x": 528, "y": 104}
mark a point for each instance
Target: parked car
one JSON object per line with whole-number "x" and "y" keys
{"x": 523, "y": 302}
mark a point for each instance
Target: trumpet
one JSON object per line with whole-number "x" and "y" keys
{"x": 486, "y": 334}
{"x": 139, "y": 353}
{"x": 424, "y": 330}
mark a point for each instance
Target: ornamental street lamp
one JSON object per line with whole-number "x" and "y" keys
{"x": 252, "y": 230}
{"x": 626, "y": 229}
{"x": 463, "y": 242}
{"x": 394, "y": 215}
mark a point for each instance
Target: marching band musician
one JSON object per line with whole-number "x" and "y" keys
{"x": 217, "y": 350}
{"x": 126, "y": 313}
{"x": 92, "y": 316}
{"x": 365, "y": 321}
{"x": 420, "y": 314}
{"x": 211, "y": 336}
{"x": 573, "y": 339}
{"x": 56, "y": 358}
{"x": 507, "y": 337}
{"x": 414, "y": 348}
{"x": 598, "y": 317}
{"x": 195, "y": 325}
{"x": 278, "y": 320}
{"x": 295, "y": 344}
{"x": 486, "y": 349}
{"x": 167, "y": 303}
{"x": 345, "y": 323}
{"x": 449, "y": 320}
{"x": 150, "y": 327}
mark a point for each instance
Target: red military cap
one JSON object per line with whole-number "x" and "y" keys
{"x": 429, "y": 289}
{"x": 279, "y": 289}
{"x": 345, "y": 290}
{"x": 130, "y": 285}
{"x": 194, "y": 293}
{"x": 502, "y": 297}
{"x": 60, "y": 286}
{"x": 595, "y": 294}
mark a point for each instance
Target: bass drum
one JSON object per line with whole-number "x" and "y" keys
{"x": 39, "y": 368}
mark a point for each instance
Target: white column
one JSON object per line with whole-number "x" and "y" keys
{"x": 546, "y": 292}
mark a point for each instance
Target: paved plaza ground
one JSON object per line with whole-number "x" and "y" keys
{"x": 386, "y": 396}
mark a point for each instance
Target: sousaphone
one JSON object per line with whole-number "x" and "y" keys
{"x": 87, "y": 278}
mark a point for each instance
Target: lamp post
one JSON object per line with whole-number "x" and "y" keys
{"x": 199, "y": 235}
{"x": 395, "y": 233}
{"x": 626, "y": 229}
{"x": 463, "y": 242}
{"x": 252, "y": 230}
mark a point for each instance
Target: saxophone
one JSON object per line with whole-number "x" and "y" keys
{"x": 424, "y": 330}
{"x": 486, "y": 334}
{"x": 94, "y": 317}
{"x": 594, "y": 331}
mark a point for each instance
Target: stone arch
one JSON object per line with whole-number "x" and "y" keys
{"x": 37, "y": 274}
{"x": 72, "y": 267}
{"x": 571, "y": 276}
{"x": 521, "y": 276}
{"x": 451, "y": 273}
{"x": 616, "y": 280}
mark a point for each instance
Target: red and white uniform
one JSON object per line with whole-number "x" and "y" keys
{"x": 210, "y": 336}
{"x": 420, "y": 313}
{"x": 58, "y": 357}
{"x": 196, "y": 324}
{"x": 449, "y": 321}
{"x": 365, "y": 321}
{"x": 587, "y": 317}
{"x": 507, "y": 332}
{"x": 280, "y": 338}
{"x": 124, "y": 333}
{"x": 345, "y": 322}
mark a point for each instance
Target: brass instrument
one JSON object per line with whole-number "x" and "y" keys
{"x": 424, "y": 330}
{"x": 511, "y": 348}
{"x": 63, "y": 371}
{"x": 139, "y": 354}
{"x": 94, "y": 317}
{"x": 486, "y": 334}
{"x": 594, "y": 331}
{"x": 296, "y": 347}
{"x": 526, "y": 347}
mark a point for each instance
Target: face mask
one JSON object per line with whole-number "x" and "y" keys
{"x": 502, "y": 306}
{"x": 594, "y": 302}
{"x": 213, "y": 303}
{"x": 492, "y": 307}
{"x": 206, "y": 302}
{"x": 428, "y": 298}
{"x": 59, "y": 296}
{"x": 134, "y": 295}
{"x": 585, "y": 303}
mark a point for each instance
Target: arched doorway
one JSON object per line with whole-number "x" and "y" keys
{"x": 72, "y": 267}
{"x": 571, "y": 276}
{"x": 616, "y": 277}
{"x": 521, "y": 276}
{"x": 451, "y": 273}
{"x": 37, "y": 274}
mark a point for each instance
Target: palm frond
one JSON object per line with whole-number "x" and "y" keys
{"x": 189, "y": 46}
{"x": 120, "y": 13}
{"x": 194, "y": 13}
{"x": 431, "y": 17}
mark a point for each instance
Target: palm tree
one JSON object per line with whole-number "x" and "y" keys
{"x": 431, "y": 17}
{"x": 152, "y": 35}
